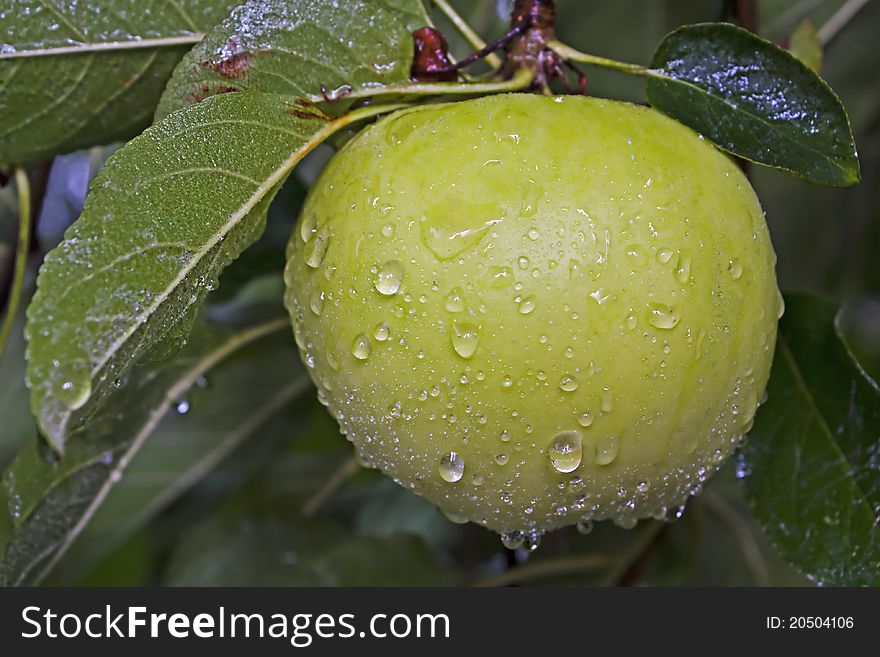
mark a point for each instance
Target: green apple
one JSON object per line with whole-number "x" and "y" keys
{"x": 536, "y": 311}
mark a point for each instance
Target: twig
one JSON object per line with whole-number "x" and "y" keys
{"x": 175, "y": 392}
{"x": 347, "y": 470}
{"x": 547, "y": 568}
{"x": 640, "y": 548}
{"x": 740, "y": 529}
{"x": 521, "y": 80}
{"x": 839, "y": 20}
{"x": 22, "y": 249}
{"x": 467, "y": 31}
{"x": 569, "y": 53}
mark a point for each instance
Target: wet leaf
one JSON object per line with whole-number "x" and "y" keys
{"x": 74, "y": 75}
{"x": 812, "y": 461}
{"x": 246, "y": 399}
{"x": 754, "y": 100}
{"x": 299, "y": 47}
{"x": 717, "y": 542}
{"x": 47, "y": 501}
{"x": 166, "y": 214}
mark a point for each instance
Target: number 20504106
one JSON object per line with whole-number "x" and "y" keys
{"x": 809, "y": 622}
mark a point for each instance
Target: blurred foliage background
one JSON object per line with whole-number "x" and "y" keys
{"x": 218, "y": 494}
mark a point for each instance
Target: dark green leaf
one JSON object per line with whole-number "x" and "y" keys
{"x": 166, "y": 214}
{"x": 718, "y": 543}
{"x": 48, "y": 501}
{"x": 77, "y": 74}
{"x": 812, "y": 462}
{"x": 754, "y": 100}
{"x": 248, "y": 397}
{"x": 297, "y": 48}
{"x": 18, "y": 424}
{"x": 236, "y": 548}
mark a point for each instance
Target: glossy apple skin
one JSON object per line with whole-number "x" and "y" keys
{"x": 470, "y": 281}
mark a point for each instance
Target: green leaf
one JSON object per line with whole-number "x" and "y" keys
{"x": 18, "y": 424}
{"x": 812, "y": 461}
{"x": 754, "y": 100}
{"x": 48, "y": 501}
{"x": 296, "y": 48}
{"x": 240, "y": 548}
{"x": 805, "y": 45}
{"x": 166, "y": 214}
{"x": 247, "y": 398}
{"x": 717, "y": 542}
{"x": 74, "y": 75}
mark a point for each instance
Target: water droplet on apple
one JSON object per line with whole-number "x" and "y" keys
{"x": 527, "y": 305}
{"x": 568, "y": 383}
{"x": 315, "y": 250}
{"x": 512, "y": 540}
{"x": 664, "y": 255}
{"x": 316, "y": 302}
{"x": 382, "y": 332}
{"x": 451, "y": 467}
{"x": 735, "y": 269}
{"x": 360, "y": 348}
{"x": 500, "y": 276}
{"x": 566, "y": 451}
{"x": 465, "y": 338}
{"x": 662, "y": 316}
{"x": 389, "y": 277}
{"x": 605, "y": 450}
{"x": 455, "y": 300}
{"x": 584, "y": 525}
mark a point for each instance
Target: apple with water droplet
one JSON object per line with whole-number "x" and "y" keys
{"x": 536, "y": 311}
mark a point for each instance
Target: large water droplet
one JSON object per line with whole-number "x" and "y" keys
{"x": 512, "y": 540}
{"x": 532, "y": 542}
{"x": 662, "y": 316}
{"x": 389, "y": 277}
{"x": 636, "y": 255}
{"x": 455, "y": 300}
{"x": 500, "y": 276}
{"x": 683, "y": 271}
{"x": 451, "y": 467}
{"x": 289, "y": 274}
{"x": 626, "y": 522}
{"x": 308, "y": 226}
{"x": 566, "y": 451}
{"x": 568, "y": 383}
{"x": 584, "y": 525}
{"x": 605, "y": 450}
{"x": 664, "y": 255}
{"x": 72, "y": 383}
{"x": 382, "y": 332}
{"x": 449, "y": 231}
{"x": 465, "y": 337}
{"x": 360, "y": 348}
{"x": 527, "y": 305}
{"x": 316, "y": 302}
{"x": 316, "y": 249}
{"x": 735, "y": 269}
